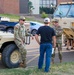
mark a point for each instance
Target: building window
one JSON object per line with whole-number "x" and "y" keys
{"x": 47, "y": 6}
{"x": 47, "y": 3}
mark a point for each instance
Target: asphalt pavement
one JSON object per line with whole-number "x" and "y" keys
{"x": 33, "y": 54}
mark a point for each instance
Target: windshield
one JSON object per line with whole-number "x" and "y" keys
{"x": 62, "y": 10}
{"x": 71, "y": 12}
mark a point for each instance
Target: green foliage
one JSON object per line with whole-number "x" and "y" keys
{"x": 44, "y": 15}
{"x": 10, "y": 16}
{"x": 14, "y": 17}
{"x": 56, "y": 69}
{"x": 47, "y": 10}
{"x": 30, "y": 7}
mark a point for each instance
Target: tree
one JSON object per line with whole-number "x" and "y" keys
{"x": 30, "y": 7}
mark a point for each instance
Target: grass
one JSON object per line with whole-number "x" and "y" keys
{"x": 16, "y": 17}
{"x": 10, "y": 16}
{"x": 56, "y": 69}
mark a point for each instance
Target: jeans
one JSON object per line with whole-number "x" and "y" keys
{"x": 45, "y": 48}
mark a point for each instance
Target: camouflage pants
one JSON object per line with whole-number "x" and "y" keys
{"x": 59, "y": 47}
{"x": 22, "y": 50}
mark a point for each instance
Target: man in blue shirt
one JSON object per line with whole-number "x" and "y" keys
{"x": 47, "y": 35}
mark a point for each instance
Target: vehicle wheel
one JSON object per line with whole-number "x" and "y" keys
{"x": 11, "y": 56}
{"x": 11, "y": 30}
{"x": 34, "y": 32}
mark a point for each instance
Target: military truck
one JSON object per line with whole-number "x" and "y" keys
{"x": 9, "y": 51}
{"x": 65, "y": 14}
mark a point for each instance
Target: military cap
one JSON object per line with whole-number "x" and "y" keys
{"x": 55, "y": 20}
{"x": 22, "y": 18}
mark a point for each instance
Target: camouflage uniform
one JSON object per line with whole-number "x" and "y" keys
{"x": 58, "y": 31}
{"x": 19, "y": 34}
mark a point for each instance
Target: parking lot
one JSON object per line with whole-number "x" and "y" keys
{"x": 33, "y": 54}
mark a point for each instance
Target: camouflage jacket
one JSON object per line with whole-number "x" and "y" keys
{"x": 19, "y": 32}
{"x": 58, "y": 31}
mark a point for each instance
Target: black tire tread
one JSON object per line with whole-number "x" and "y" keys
{"x": 4, "y": 55}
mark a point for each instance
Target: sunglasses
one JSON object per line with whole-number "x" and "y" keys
{"x": 22, "y": 19}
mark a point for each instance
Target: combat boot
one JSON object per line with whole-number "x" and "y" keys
{"x": 52, "y": 61}
{"x": 60, "y": 61}
{"x": 67, "y": 49}
{"x": 23, "y": 64}
{"x": 72, "y": 48}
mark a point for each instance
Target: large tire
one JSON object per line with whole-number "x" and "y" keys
{"x": 11, "y": 56}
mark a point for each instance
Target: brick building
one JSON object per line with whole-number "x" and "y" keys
{"x": 46, "y": 5}
{"x": 59, "y": 1}
{"x": 21, "y": 6}
{"x": 13, "y": 6}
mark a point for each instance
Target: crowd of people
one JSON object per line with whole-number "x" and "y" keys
{"x": 51, "y": 37}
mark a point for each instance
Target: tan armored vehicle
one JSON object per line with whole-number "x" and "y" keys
{"x": 9, "y": 51}
{"x": 65, "y": 14}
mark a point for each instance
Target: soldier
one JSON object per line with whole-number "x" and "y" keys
{"x": 58, "y": 31}
{"x": 19, "y": 35}
{"x": 70, "y": 42}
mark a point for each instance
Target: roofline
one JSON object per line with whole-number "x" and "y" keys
{"x": 67, "y": 2}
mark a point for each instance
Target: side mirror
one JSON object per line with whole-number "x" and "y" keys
{"x": 60, "y": 14}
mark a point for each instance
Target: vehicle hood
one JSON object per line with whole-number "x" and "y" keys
{"x": 6, "y": 37}
{"x": 6, "y": 34}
